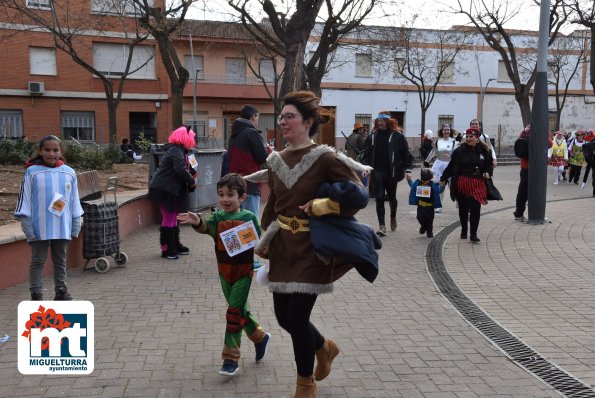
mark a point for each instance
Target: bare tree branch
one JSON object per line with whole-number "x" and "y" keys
{"x": 489, "y": 20}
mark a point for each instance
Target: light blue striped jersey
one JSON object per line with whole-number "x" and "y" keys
{"x": 40, "y": 184}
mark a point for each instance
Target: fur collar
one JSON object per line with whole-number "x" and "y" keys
{"x": 291, "y": 176}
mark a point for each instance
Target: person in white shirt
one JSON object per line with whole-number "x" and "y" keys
{"x": 442, "y": 150}
{"x": 474, "y": 123}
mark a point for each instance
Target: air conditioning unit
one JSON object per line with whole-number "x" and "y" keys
{"x": 36, "y": 88}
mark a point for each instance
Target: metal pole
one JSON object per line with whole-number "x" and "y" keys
{"x": 194, "y": 77}
{"x": 483, "y": 93}
{"x": 539, "y": 125}
{"x": 275, "y": 111}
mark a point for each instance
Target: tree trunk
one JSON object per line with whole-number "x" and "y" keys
{"x": 591, "y": 64}
{"x": 294, "y": 60}
{"x": 112, "y": 107}
{"x": 559, "y": 106}
{"x": 177, "y": 104}
{"x": 178, "y": 77}
{"x": 423, "y": 120}
{"x": 525, "y": 107}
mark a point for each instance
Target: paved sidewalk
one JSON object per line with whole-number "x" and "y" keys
{"x": 160, "y": 323}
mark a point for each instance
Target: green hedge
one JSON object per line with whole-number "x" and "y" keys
{"x": 79, "y": 157}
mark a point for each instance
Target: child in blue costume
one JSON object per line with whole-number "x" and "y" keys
{"x": 50, "y": 214}
{"x": 425, "y": 194}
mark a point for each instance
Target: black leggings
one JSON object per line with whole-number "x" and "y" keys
{"x": 469, "y": 209}
{"x": 384, "y": 186}
{"x": 575, "y": 173}
{"x": 293, "y": 314}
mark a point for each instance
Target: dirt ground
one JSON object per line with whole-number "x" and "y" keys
{"x": 130, "y": 177}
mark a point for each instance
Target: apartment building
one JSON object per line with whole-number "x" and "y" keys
{"x": 43, "y": 91}
{"x": 363, "y": 80}
{"x": 227, "y": 70}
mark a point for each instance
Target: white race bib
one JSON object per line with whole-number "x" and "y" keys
{"x": 239, "y": 239}
{"x": 57, "y": 205}
{"x": 423, "y": 191}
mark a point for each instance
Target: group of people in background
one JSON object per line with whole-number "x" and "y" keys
{"x": 466, "y": 161}
{"x": 568, "y": 153}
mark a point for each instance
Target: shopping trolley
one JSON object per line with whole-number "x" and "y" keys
{"x": 101, "y": 236}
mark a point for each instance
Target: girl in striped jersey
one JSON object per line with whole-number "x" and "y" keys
{"x": 50, "y": 213}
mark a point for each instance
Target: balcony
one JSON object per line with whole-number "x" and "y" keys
{"x": 236, "y": 86}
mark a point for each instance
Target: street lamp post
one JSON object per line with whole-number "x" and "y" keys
{"x": 196, "y": 72}
{"x": 482, "y": 94}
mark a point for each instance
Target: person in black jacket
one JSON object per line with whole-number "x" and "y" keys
{"x": 169, "y": 188}
{"x": 470, "y": 165}
{"x": 388, "y": 153}
{"x": 589, "y": 152}
{"x": 246, "y": 153}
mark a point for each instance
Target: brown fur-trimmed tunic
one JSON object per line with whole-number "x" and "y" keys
{"x": 294, "y": 177}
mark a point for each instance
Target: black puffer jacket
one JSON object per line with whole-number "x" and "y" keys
{"x": 172, "y": 174}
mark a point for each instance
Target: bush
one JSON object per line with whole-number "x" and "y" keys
{"x": 85, "y": 157}
{"x": 77, "y": 155}
{"x": 15, "y": 152}
{"x": 114, "y": 154}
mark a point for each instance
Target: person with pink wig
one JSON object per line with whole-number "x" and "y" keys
{"x": 169, "y": 188}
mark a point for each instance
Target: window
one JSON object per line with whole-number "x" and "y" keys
{"x": 552, "y": 115}
{"x": 266, "y": 124}
{"x": 118, "y": 7}
{"x": 266, "y": 70}
{"x": 39, "y": 4}
{"x": 502, "y": 74}
{"x": 11, "y": 124}
{"x": 363, "y": 65}
{"x": 235, "y": 70}
{"x": 42, "y": 61}
{"x": 110, "y": 59}
{"x": 445, "y": 119}
{"x": 400, "y": 64}
{"x": 365, "y": 120}
{"x": 79, "y": 125}
{"x": 448, "y": 71}
{"x": 199, "y": 65}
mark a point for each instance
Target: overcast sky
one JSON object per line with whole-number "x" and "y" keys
{"x": 429, "y": 12}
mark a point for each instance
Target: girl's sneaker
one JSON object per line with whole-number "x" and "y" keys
{"x": 229, "y": 368}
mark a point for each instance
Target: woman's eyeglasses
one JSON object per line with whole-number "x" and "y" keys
{"x": 287, "y": 116}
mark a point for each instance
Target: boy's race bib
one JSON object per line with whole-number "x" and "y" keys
{"x": 239, "y": 239}
{"x": 423, "y": 191}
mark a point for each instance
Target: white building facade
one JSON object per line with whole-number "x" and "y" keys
{"x": 360, "y": 83}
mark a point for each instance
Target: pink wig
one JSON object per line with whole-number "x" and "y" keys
{"x": 182, "y": 136}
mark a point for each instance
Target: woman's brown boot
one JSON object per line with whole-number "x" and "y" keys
{"x": 305, "y": 387}
{"x": 324, "y": 359}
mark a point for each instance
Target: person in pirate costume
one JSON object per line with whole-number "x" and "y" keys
{"x": 297, "y": 274}
{"x": 470, "y": 165}
{"x": 558, "y": 155}
{"x": 576, "y": 157}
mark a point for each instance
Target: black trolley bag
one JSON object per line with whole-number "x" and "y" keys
{"x": 101, "y": 235}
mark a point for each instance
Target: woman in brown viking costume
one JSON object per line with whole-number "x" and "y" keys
{"x": 297, "y": 275}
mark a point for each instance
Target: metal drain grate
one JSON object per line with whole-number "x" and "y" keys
{"x": 518, "y": 351}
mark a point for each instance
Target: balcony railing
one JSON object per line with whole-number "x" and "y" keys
{"x": 230, "y": 79}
